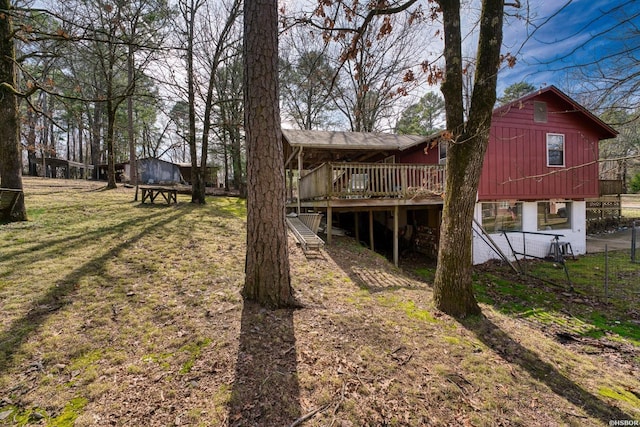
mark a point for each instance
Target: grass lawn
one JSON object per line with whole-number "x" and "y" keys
{"x": 118, "y": 313}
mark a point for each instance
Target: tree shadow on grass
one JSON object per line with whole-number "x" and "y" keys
{"x": 266, "y": 391}
{"x": 513, "y": 352}
{"x": 73, "y": 242}
{"x": 59, "y": 296}
{"x": 371, "y": 278}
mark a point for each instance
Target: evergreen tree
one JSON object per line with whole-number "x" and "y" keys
{"x": 515, "y": 91}
{"x": 422, "y": 118}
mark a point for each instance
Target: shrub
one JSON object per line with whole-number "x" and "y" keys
{"x": 635, "y": 184}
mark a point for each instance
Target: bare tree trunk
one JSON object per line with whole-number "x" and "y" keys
{"x": 31, "y": 141}
{"x": 236, "y": 157}
{"x": 10, "y": 150}
{"x": 81, "y": 140}
{"x": 69, "y": 132}
{"x": 95, "y": 138}
{"x": 189, "y": 14}
{"x": 267, "y": 278}
{"x": 133, "y": 166}
{"x": 111, "y": 155}
{"x": 453, "y": 292}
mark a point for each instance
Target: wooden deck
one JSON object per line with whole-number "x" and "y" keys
{"x": 351, "y": 181}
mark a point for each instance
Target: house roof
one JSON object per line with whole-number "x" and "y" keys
{"x": 323, "y": 146}
{"x": 606, "y": 131}
{"x": 338, "y": 140}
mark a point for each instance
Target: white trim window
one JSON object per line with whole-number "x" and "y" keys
{"x": 554, "y": 215}
{"x": 555, "y": 150}
{"x": 502, "y": 216}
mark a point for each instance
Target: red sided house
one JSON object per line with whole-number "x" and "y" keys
{"x": 540, "y": 168}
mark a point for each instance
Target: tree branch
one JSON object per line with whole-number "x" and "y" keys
{"x": 555, "y": 172}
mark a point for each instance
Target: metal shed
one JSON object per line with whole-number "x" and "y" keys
{"x": 157, "y": 171}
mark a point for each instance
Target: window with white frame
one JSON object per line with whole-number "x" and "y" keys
{"x": 555, "y": 149}
{"x": 554, "y": 215}
{"x": 499, "y": 216}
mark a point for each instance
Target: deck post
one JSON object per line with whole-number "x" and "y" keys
{"x": 329, "y": 221}
{"x": 371, "y": 230}
{"x": 395, "y": 234}
{"x": 300, "y": 163}
{"x": 356, "y": 217}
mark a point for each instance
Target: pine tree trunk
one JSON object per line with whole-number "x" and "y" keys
{"x": 10, "y": 151}
{"x": 267, "y": 279}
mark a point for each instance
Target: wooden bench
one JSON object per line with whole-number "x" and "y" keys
{"x": 303, "y": 234}
{"x": 150, "y": 192}
{"x": 8, "y": 199}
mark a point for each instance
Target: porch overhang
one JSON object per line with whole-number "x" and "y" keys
{"x": 313, "y": 147}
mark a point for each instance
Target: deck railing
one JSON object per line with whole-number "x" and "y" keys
{"x": 358, "y": 180}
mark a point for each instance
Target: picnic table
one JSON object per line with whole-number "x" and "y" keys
{"x": 151, "y": 192}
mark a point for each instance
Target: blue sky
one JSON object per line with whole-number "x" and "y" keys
{"x": 568, "y": 35}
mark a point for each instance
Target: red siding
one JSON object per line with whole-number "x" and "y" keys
{"x": 515, "y": 165}
{"x": 417, "y": 155}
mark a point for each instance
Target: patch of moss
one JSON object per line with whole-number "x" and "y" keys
{"x": 21, "y": 416}
{"x": 409, "y": 308}
{"x": 621, "y": 395}
{"x": 194, "y": 349}
{"x": 28, "y": 416}
{"x": 87, "y": 359}
{"x": 69, "y": 414}
{"x": 622, "y": 328}
{"x": 426, "y": 274}
{"x": 414, "y": 312}
{"x": 452, "y": 340}
{"x": 160, "y": 359}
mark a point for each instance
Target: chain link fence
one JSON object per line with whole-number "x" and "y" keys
{"x": 610, "y": 272}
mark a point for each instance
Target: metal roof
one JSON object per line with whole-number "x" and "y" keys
{"x": 337, "y": 140}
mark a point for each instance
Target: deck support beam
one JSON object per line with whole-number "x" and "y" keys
{"x": 329, "y": 221}
{"x": 371, "y": 246}
{"x": 396, "y": 211}
{"x": 300, "y": 165}
{"x": 356, "y": 216}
